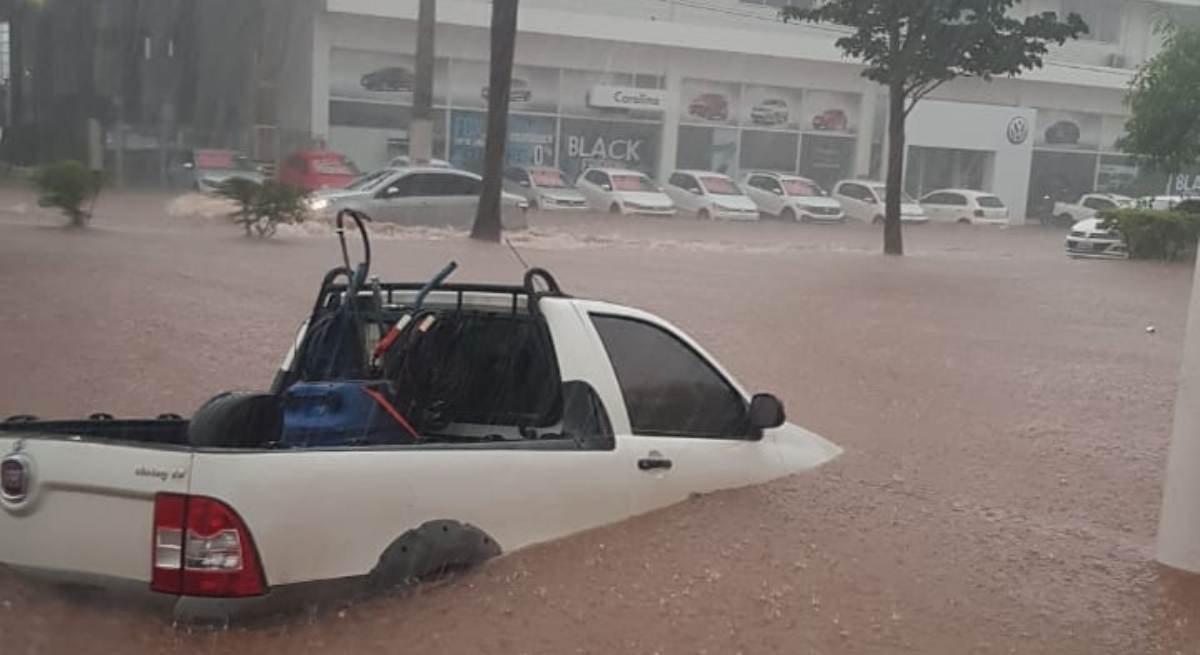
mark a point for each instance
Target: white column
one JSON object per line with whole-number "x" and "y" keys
{"x": 1179, "y": 523}
{"x": 866, "y": 130}
{"x": 320, "y": 76}
{"x": 670, "y": 130}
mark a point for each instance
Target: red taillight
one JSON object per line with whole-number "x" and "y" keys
{"x": 202, "y": 548}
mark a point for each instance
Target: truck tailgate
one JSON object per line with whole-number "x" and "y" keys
{"x": 88, "y": 507}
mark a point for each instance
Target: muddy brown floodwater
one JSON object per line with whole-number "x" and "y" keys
{"x": 1004, "y": 411}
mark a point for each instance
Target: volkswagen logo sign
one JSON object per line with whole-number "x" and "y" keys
{"x": 1018, "y": 130}
{"x": 15, "y": 472}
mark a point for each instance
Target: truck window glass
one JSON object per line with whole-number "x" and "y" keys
{"x": 668, "y": 389}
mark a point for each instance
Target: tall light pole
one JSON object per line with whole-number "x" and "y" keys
{"x": 1179, "y": 522}
{"x": 420, "y": 129}
{"x": 504, "y": 41}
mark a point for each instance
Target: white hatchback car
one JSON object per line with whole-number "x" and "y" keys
{"x": 710, "y": 195}
{"x": 965, "y": 206}
{"x": 864, "y": 200}
{"x": 621, "y": 191}
{"x": 792, "y": 198}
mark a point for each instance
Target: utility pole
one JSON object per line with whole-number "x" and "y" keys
{"x": 1179, "y": 522}
{"x": 504, "y": 42}
{"x": 420, "y": 129}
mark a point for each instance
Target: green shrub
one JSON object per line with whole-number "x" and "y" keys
{"x": 262, "y": 207}
{"x": 277, "y": 203}
{"x": 243, "y": 192}
{"x": 68, "y": 186}
{"x": 1153, "y": 234}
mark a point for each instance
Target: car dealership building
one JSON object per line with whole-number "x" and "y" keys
{"x": 721, "y": 85}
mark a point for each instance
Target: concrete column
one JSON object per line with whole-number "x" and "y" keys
{"x": 1179, "y": 522}
{"x": 866, "y": 130}
{"x": 320, "y": 76}
{"x": 670, "y": 130}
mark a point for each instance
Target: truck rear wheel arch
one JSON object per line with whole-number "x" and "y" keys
{"x": 430, "y": 551}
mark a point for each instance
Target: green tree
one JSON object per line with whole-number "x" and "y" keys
{"x": 1165, "y": 103}
{"x": 68, "y": 186}
{"x": 914, "y": 46}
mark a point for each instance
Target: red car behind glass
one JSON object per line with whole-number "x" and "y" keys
{"x": 317, "y": 169}
{"x": 831, "y": 120}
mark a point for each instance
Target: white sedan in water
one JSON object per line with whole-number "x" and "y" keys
{"x": 1089, "y": 239}
{"x": 965, "y": 207}
{"x": 620, "y": 191}
{"x": 709, "y": 196}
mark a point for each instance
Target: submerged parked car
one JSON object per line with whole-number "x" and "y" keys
{"x": 864, "y": 201}
{"x": 206, "y": 170}
{"x": 708, "y": 196}
{"x": 1088, "y": 239}
{"x": 620, "y": 191}
{"x": 793, "y": 198}
{"x": 390, "y": 79}
{"x": 543, "y": 188}
{"x": 965, "y": 206}
{"x": 429, "y": 196}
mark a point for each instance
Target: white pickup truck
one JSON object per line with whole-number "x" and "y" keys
{"x": 1088, "y": 206}
{"x": 528, "y": 415}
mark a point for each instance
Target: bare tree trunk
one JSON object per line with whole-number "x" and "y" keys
{"x": 504, "y": 41}
{"x": 420, "y": 130}
{"x": 893, "y": 238}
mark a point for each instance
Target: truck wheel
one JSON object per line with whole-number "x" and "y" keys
{"x": 430, "y": 551}
{"x": 704, "y": 215}
{"x": 788, "y": 215}
{"x": 615, "y": 210}
{"x": 878, "y": 220}
{"x": 964, "y": 221}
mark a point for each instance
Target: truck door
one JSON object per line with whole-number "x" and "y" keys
{"x": 684, "y": 429}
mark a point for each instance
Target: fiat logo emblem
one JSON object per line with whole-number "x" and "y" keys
{"x": 1018, "y": 130}
{"x": 14, "y": 478}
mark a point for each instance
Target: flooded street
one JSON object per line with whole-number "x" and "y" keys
{"x": 1004, "y": 410}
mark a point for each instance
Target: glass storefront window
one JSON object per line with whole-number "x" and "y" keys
{"x": 371, "y": 133}
{"x": 826, "y": 159}
{"x": 707, "y": 149}
{"x": 587, "y": 143}
{"x": 769, "y": 151}
{"x": 1059, "y": 177}
{"x": 530, "y": 140}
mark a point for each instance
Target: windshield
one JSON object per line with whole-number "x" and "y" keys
{"x": 369, "y": 181}
{"x": 720, "y": 186}
{"x": 990, "y": 202}
{"x": 881, "y": 193}
{"x": 544, "y": 179}
{"x": 802, "y": 188}
{"x": 628, "y": 182}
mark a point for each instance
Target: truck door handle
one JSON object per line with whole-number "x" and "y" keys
{"x": 654, "y": 464}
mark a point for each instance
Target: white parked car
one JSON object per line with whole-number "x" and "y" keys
{"x": 544, "y": 188}
{"x": 965, "y": 206}
{"x": 864, "y": 201}
{"x": 437, "y": 197}
{"x": 1088, "y": 206}
{"x": 620, "y": 191}
{"x": 588, "y": 413}
{"x": 1088, "y": 239}
{"x": 792, "y": 198}
{"x": 709, "y": 195}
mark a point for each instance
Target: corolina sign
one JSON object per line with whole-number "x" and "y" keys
{"x": 626, "y": 97}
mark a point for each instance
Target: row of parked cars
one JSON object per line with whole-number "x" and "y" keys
{"x": 708, "y": 195}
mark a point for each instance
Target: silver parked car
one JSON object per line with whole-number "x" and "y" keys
{"x": 436, "y": 197}
{"x": 207, "y": 170}
{"x": 543, "y": 188}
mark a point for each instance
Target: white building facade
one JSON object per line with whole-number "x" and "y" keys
{"x": 721, "y": 85}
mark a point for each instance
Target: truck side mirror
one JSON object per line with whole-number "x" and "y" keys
{"x": 766, "y": 412}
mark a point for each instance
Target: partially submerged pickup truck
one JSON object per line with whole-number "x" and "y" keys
{"x": 507, "y": 416}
